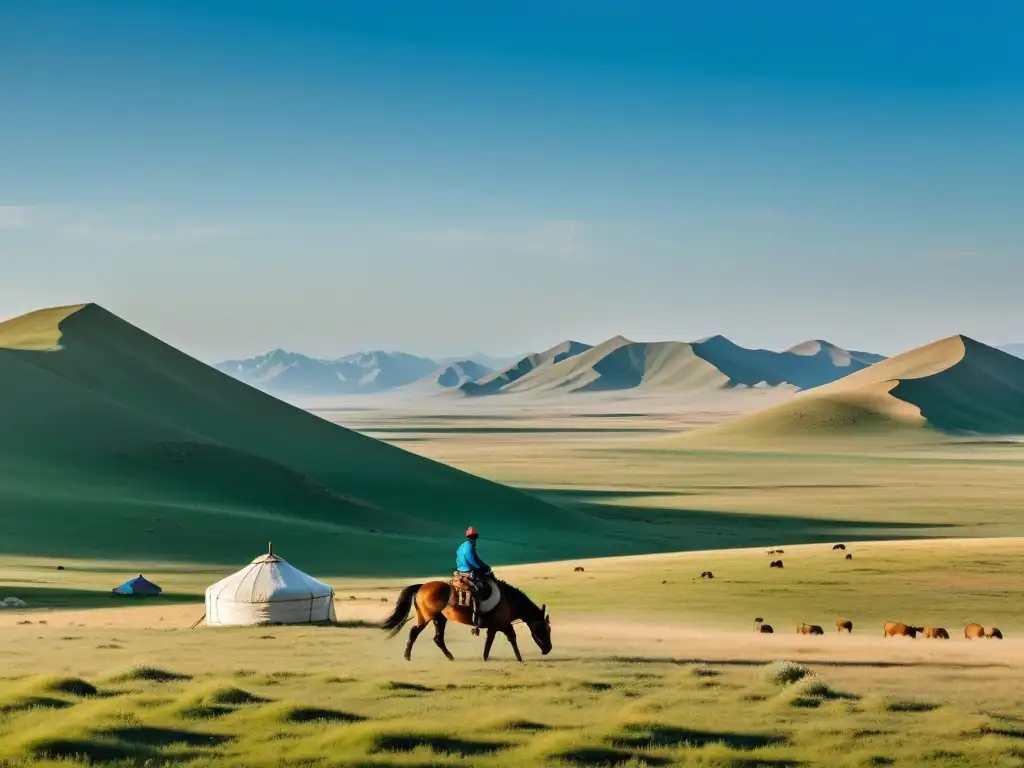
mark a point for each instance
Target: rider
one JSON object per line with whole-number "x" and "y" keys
{"x": 467, "y": 561}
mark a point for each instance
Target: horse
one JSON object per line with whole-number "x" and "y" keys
{"x": 433, "y": 604}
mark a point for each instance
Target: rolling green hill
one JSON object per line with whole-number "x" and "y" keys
{"x": 114, "y": 445}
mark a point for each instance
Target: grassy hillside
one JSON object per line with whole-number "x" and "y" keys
{"x": 953, "y": 386}
{"x": 115, "y": 445}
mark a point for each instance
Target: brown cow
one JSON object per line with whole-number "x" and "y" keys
{"x": 898, "y": 629}
{"x": 936, "y": 633}
{"x": 849, "y": 556}
{"x": 993, "y": 634}
{"x": 578, "y": 569}
{"x": 839, "y": 546}
{"x": 707, "y": 575}
{"x": 974, "y": 631}
{"x": 809, "y": 629}
{"x": 842, "y": 624}
{"x": 775, "y": 564}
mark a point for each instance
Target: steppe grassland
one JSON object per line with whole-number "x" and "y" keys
{"x": 661, "y": 690}
{"x": 650, "y": 664}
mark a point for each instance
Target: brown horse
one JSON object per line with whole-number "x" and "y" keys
{"x": 433, "y": 604}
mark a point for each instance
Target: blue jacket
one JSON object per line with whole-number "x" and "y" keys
{"x": 466, "y": 558}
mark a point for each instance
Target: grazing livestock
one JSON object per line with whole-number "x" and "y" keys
{"x": 849, "y": 556}
{"x": 707, "y": 575}
{"x": 993, "y": 634}
{"x": 578, "y": 569}
{"x": 898, "y": 629}
{"x": 936, "y": 633}
{"x": 842, "y": 624}
{"x": 775, "y": 564}
{"x": 974, "y": 631}
{"x": 760, "y": 626}
{"x": 809, "y": 629}
{"x": 839, "y": 546}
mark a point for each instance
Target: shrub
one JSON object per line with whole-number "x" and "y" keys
{"x": 786, "y": 672}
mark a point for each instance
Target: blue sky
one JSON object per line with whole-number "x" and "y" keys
{"x": 439, "y": 178}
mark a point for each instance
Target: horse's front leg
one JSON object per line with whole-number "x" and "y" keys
{"x": 510, "y": 633}
{"x": 491, "y": 631}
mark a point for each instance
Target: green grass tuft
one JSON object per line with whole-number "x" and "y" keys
{"x": 151, "y": 675}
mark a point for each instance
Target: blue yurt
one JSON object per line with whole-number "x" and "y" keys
{"x": 140, "y": 586}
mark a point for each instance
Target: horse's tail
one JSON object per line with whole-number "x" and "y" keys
{"x": 393, "y": 623}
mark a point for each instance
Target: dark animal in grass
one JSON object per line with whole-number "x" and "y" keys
{"x": 849, "y": 556}
{"x": 839, "y": 546}
{"x": 936, "y": 633}
{"x": 707, "y": 575}
{"x": 993, "y": 634}
{"x": 809, "y": 629}
{"x": 898, "y": 629}
{"x": 760, "y": 626}
{"x": 974, "y": 631}
{"x": 578, "y": 569}
{"x": 775, "y": 564}
{"x": 842, "y": 624}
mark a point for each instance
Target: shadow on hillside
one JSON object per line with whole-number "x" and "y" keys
{"x": 651, "y": 529}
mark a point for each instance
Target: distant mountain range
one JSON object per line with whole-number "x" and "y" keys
{"x": 671, "y": 366}
{"x": 571, "y": 366}
{"x": 289, "y": 373}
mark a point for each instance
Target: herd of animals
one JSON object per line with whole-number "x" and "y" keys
{"x": 892, "y": 628}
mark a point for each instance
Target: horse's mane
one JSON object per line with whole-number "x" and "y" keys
{"x": 509, "y": 589}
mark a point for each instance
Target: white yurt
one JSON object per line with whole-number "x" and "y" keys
{"x": 268, "y": 591}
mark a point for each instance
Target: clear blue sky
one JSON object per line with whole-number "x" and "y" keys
{"x": 443, "y": 177}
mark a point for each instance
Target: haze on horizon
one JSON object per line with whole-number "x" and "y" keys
{"x": 329, "y": 179}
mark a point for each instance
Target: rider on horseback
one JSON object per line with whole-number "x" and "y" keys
{"x": 475, "y": 570}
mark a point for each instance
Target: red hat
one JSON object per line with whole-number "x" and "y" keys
{"x": 471, "y": 531}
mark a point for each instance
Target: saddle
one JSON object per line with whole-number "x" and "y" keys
{"x": 465, "y": 588}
